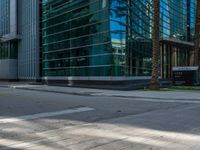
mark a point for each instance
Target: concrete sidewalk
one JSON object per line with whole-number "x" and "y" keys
{"x": 166, "y": 95}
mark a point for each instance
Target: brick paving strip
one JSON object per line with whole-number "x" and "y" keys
{"x": 108, "y": 135}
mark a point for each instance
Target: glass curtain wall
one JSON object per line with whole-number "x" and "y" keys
{"x": 108, "y": 37}
{"x": 131, "y": 30}
{"x": 177, "y": 19}
{"x": 76, "y": 39}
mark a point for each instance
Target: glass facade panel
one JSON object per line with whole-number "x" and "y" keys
{"x": 76, "y": 38}
{"x": 4, "y": 17}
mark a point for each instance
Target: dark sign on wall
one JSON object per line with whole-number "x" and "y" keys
{"x": 185, "y": 75}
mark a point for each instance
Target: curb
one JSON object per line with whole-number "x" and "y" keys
{"x": 59, "y": 92}
{"x": 94, "y": 94}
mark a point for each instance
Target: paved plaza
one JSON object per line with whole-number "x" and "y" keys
{"x": 39, "y": 117}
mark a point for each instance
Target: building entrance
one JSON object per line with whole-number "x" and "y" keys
{"x": 174, "y": 53}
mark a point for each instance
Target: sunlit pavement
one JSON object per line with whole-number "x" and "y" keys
{"x": 47, "y": 120}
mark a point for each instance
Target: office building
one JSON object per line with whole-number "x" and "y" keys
{"x": 76, "y": 41}
{"x": 112, "y": 39}
{"x": 20, "y": 49}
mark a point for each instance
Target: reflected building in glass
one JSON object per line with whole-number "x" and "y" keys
{"x": 111, "y": 39}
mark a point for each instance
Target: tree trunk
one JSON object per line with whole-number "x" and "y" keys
{"x": 197, "y": 36}
{"x": 154, "y": 84}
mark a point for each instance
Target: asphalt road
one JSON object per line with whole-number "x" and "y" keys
{"x": 45, "y": 120}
